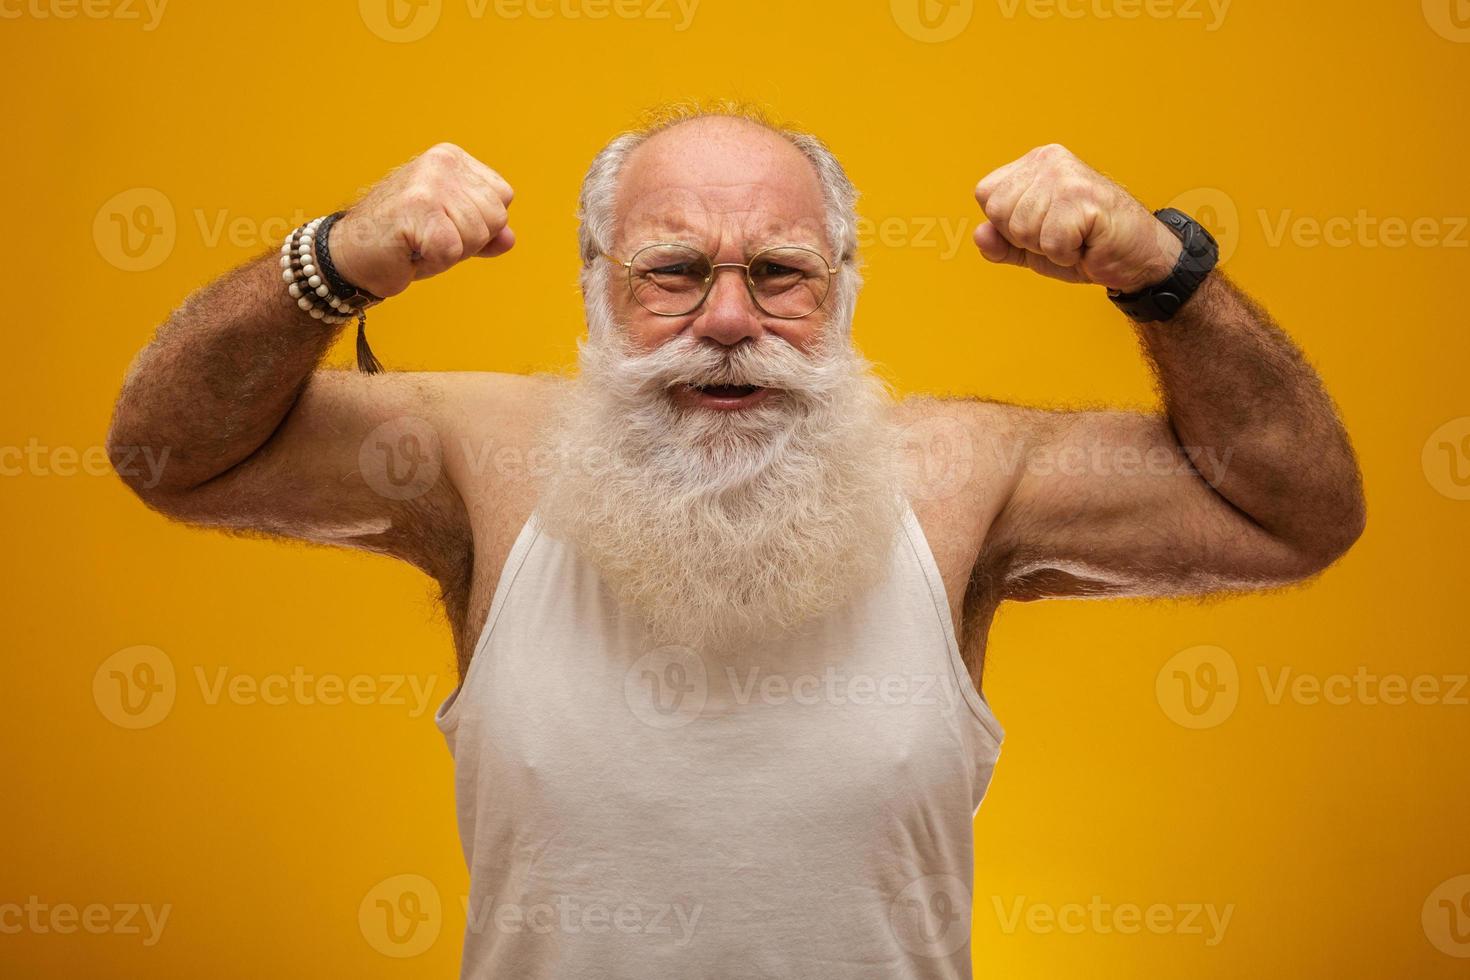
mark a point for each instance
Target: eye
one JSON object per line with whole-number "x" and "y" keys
{"x": 674, "y": 269}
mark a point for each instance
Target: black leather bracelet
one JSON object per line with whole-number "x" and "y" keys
{"x": 1159, "y": 303}
{"x": 345, "y": 291}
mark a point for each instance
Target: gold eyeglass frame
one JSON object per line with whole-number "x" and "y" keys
{"x": 715, "y": 267}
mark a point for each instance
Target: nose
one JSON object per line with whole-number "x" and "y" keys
{"x": 728, "y": 315}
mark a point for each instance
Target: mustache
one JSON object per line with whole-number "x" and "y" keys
{"x": 768, "y": 362}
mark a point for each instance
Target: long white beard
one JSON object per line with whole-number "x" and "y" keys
{"x": 719, "y": 527}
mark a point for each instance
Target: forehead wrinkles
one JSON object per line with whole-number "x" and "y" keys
{"x": 712, "y": 228}
{"x": 684, "y": 216}
{"x": 724, "y": 182}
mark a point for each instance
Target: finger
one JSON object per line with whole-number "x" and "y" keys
{"x": 437, "y": 245}
{"x": 475, "y": 231}
{"x": 500, "y": 244}
{"x": 1024, "y": 225}
{"x": 488, "y": 178}
{"x": 1042, "y": 265}
{"x": 993, "y": 180}
{"x": 994, "y": 246}
{"x": 1002, "y": 201}
{"x": 1063, "y": 234}
{"x": 491, "y": 210}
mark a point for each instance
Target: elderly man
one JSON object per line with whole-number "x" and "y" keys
{"x": 721, "y": 636}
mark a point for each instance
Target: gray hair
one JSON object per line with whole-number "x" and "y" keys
{"x": 596, "y": 204}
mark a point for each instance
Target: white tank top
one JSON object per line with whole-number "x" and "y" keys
{"x": 800, "y": 810}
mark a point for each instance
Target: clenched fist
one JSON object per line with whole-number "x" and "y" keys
{"x": 1055, "y": 215}
{"x": 434, "y": 211}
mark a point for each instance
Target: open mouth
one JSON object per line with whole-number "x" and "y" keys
{"x": 722, "y": 396}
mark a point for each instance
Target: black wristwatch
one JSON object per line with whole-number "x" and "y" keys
{"x": 1160, "y": 302}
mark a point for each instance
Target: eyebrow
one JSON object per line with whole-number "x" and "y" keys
{"x": 750, "y": 250}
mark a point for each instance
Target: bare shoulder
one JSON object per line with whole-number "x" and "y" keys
{"x": 490, "y": 425}
{"x": 961, "y": 459}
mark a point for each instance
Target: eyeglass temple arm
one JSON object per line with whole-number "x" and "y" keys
{"x": 831, "y": 270}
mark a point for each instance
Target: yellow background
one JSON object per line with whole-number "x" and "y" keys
{"x": 1324, "y": 828}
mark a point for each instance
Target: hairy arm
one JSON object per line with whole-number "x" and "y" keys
{"x": 258, "y": 438}
{"x": 1245, "y": 479}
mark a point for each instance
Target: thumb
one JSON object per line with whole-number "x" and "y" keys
{"x": 995, "y": 248}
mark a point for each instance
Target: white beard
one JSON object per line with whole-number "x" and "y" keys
{"x": 719, "y": 527}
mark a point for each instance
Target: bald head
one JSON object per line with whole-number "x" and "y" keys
{"x": 729, "y": 180}
{"x": 726, "y": 185}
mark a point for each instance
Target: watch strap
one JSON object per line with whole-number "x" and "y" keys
{"x": 1197, "y": 259}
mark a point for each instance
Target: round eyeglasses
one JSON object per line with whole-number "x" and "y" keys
{"x": 786, "y": 281}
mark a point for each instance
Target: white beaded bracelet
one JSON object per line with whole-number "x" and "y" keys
{"x": 304, "y": 281}
{"x": 313, "y": 282}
